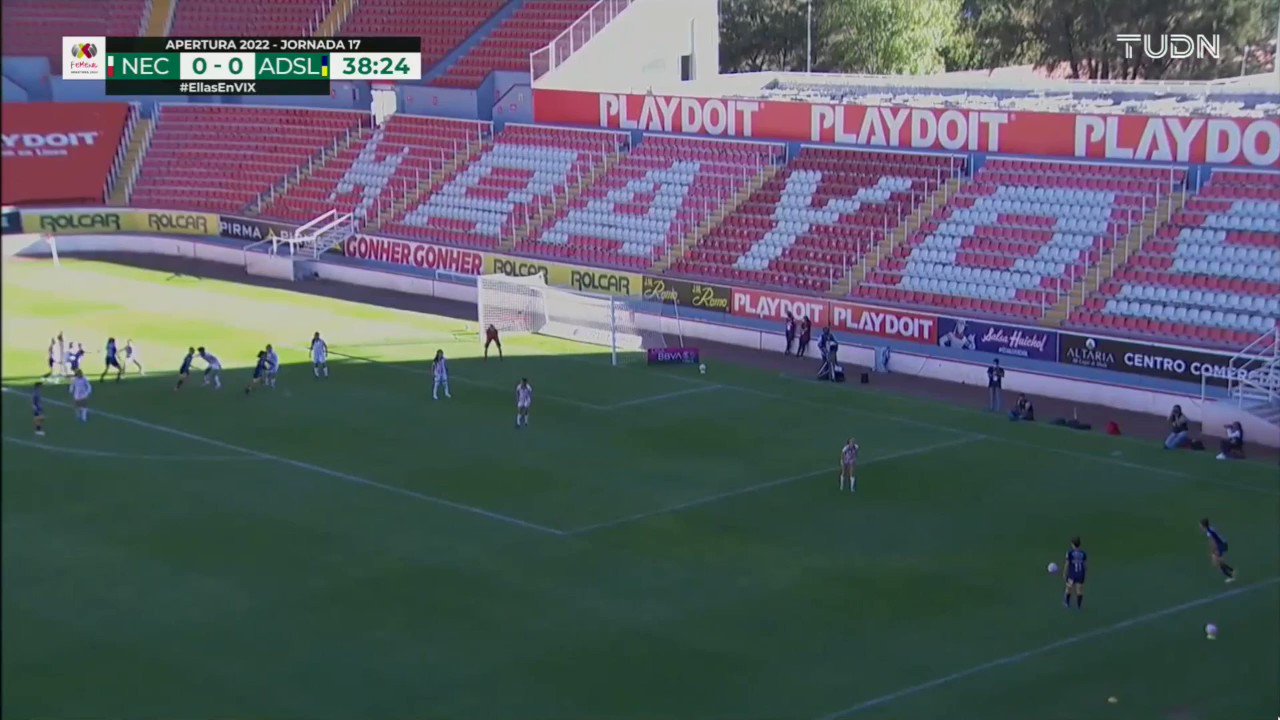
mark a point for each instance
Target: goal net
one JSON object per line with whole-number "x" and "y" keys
{"x": 517, "y": 305}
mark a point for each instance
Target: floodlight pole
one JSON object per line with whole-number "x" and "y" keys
{"x": 808, "y": 52}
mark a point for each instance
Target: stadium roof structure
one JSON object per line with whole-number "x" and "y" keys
{"x": 1018, "y": 88}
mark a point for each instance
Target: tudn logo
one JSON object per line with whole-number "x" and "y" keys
{"x": 84, "y": 51}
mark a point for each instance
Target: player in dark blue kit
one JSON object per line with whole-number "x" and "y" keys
{"x": 112, "y": 361}
{"x": 75, "y": 356}
{"x": 1074, "y": 571}
{"x": 37, "y": 408}
{"x": 184, "y": 372}
{"x": 1218, "y": 549}
{"x": 259, "y": 371}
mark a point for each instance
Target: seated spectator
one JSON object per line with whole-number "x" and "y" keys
{"x": 1179, "y": 433}
{"x": 1023, "y": 410}
{"x": 1232, "y": 446}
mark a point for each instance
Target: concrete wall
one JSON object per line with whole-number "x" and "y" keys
{"x": 30, "y": 74}
{"x": 642, "y": 47}
{"x": 442, "y": 102}
{"x": 13, "y": 92}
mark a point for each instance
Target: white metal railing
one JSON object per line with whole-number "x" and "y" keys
{"x": 548, "y": 58}
{"x": 145, "y": 20}
{"x": 122, "y": 150}
{"x": 1254, "y": 372}
{"x": 136, "y": 171}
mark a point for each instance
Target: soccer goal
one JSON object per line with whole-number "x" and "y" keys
{"x": 516, "y": 305}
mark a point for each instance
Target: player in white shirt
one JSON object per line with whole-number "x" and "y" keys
{"x": 849, "y": 465}
{"x": 273, "y": 366}
{"x": 80, "y": 392}
{"x": 440, "y": 376}
{"x": 132, "y": 356}
{"x": 213, "y": 368}
{"x": 524, "y": 399}
{"x": 319, "y": 356}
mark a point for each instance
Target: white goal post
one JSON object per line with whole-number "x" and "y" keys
{"x": 516, "y": 305}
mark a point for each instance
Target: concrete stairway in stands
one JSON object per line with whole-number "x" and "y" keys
{"x": 712, "y": 221}
{"x": 303, "y": 172}
{"x": 398, "y": 207}
{"x": 896, "y": 237}
{"x": 161, "y": 18}
{"x": 1110, "y": 261}
{"x": 337, "y": 16}
{"x": 132, "y": 160}
{"x": 552, "y": 211}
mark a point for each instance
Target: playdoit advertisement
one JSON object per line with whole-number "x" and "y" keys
{"x": 87, "y": 222}
{"x": 591, "y": 280}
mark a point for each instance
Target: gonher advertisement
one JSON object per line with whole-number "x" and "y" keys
{"x": 59, "y": 153}
{"x": 589, "y": 280}
{"x": 422, "y": 256}
{"x": 1137, "y": 358}
{"x": 992, "y": 338}
{"x": 1220, "y": 140}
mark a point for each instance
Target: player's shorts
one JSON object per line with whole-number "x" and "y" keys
{"x": 51, "y": 362}
{"x": 1221, "y": 550}
{"x": 257, "y": 374}
{"x": 37, "y": 413}
{"x": 1075, "y": 579}
{"x": 213, "y": 369}
{"x": 492, "y": 340}
{"x": 81, "y": 400}
{"x": 320, "y": 359}
{"x": 523, "y": 406}
{"x": 113, "y": 362}
{"x": 184, "y": 372}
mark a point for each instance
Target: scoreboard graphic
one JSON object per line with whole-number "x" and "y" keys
{"x": 237, "y": 66}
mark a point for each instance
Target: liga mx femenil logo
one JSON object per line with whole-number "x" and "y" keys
{"x": 82, "y": 58}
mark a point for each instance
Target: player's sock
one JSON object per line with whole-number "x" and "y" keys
{"x": 853, "y": 484}
{"x": 1066, "y": 600}
{"x": 1079, "y": 601}
{"x": 1227, "y": 569}
{"x": 326, "y": 371}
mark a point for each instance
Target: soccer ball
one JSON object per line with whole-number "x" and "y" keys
{"x": 1053, "y": 568}
{"x": 1211, "y": 631}
{"x": 702, "y": 368}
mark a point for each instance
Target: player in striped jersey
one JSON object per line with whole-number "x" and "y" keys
{"x": 132, "y": 356}
{"x": 524, "y": 400}
{"x": 319, "y": 356}
{"x": 440, "y": 376}
{"x": 849, "y": 465}
{"x": 80, "y": 392}
{"x": 213, "y": 368}
{"x": 273, "y": 366}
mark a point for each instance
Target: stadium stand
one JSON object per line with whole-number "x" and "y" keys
{"x": 35, "y": 27}
{"x": 442, "y": 24}
{"x": 532, "y": 26}
{"x": 247, "y": 18}
{"x": 383, "y": 164}
{"x": 806, "y": 227}
{"x": 1019, "y": 236}
{"x": 653, "y": 199}
{"x": 214, "y": 158}
{"x": 506, "y": 187}
{"x": 1210, "y": 276}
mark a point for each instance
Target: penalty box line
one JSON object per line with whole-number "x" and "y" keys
{"x": 554, "y": 398}
{"x": 319, "y": 470}
{"x": 627, "y": 520}
{"x": 1021, "y": 657}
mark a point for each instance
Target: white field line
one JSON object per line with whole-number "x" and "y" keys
{"x": 762, "y": 486}
{"x": 1107, "y": 459}
{"x": 391, "y": 365}
{"x": 85, "y": 452}
{"x": 665, "y": 396}
{"x": 702, "y": 387}
{"x": 354, "y": 479}
{"x": 1021, "y": 657}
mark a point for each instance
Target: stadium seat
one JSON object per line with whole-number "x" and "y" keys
{"x": 535, "y": 24}
{"x": 36, "y": 27}
{"x": 442, "y": 24}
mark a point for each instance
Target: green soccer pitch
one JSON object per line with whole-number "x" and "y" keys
{"x": 658, "y": 544}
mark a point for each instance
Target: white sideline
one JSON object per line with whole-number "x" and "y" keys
{"x": 1029, "y": 654}
{"x": 664, "y": 396}
{"x": 313, "y": 468}
{"x": 762, "y": 486}
{"x": 1010, "y": 441}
